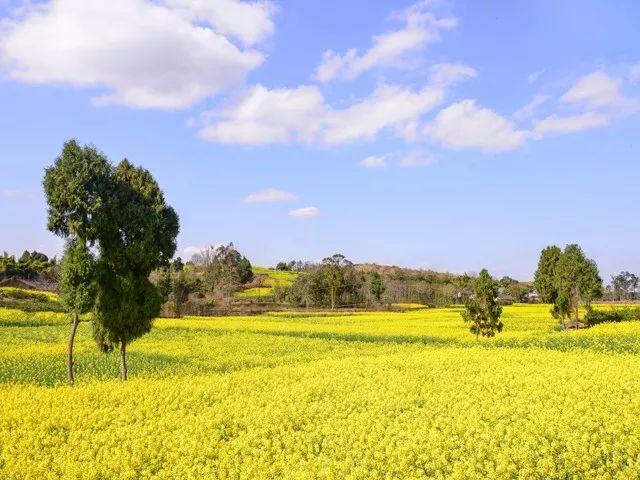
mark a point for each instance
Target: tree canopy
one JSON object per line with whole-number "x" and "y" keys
{"x": 482, "y": 309}
{"x": 121, "y": 211}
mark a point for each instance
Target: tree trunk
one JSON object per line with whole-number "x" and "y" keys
{"x": 72, "y": 336}
{"x": 123, "y": 361}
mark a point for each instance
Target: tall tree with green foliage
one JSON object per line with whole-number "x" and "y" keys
{"x": 76, "y": 187}
{"x": 482, "y": 309}
{"x": 77, "y": 289}
{"x": 141, "y": 238}
{"x": 332, "y": 272}
{"x": 376, "y": 287}
{"x": 624, "y": 285}
{"x": 545, "y": 281}
{"x": 577, "y": 281}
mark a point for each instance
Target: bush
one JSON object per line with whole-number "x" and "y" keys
{"x": 594, "y": 317}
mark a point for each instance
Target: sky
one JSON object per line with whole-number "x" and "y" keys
{"x": 451, "y": 135}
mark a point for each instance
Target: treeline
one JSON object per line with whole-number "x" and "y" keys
{"x": 207, "y": 281}
{"x": 29, "y": 266}
{"x": 338, "y": 282}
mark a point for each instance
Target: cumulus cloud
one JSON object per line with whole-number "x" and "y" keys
{"x": 249, "y": 22}
{"x": 387, "y": 106}
{"x": 374, "y": 162}
{"x": 554, "y": 124}
{"x": 199, "y": 254}
{"x": 166, "y": 54}
{"x": 305, "y": 212}
{"x": 416, "y": 158}
{"x": 598, "y": 99}
{"x": 447, "y": 74}
{"x": 270, "y": 195}
{"x": 192, "y": 250}
{"x": 420, "y": 27}
{"x": 465, "y": 125}
{"x": 597, "y": 90}
{"x": 265, "y": 115}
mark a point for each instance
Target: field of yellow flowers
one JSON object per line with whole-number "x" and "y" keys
{"x": 306, "y": 395}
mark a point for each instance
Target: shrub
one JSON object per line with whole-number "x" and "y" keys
{"x": 594, "y": 317}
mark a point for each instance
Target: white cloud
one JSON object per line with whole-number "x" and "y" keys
{"x": 305, "y": 212}
{"x": 192, "y": 250}
{"x": 447, "y": 74}
{"x": 421, "y": 27}
{"x": 387, "y": 106}
{"x": 269, "y": 116}
{"x": 464, "y": 125}
{"x": 197, "y": 254}
{"x": 374, "y": 162}
{"x": 596, "y": 90}
{"x": 280, "y": 115}
{"x": 530, "y": 108}
{"x": 554, "y": 124}
{"x": 269, "y": 195}
{"x": 146, "y": 54}
{"x": 417, "y": 158}
{"x": 249, "y": 22}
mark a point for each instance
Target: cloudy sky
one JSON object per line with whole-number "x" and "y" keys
{"x": 452, "y": 135}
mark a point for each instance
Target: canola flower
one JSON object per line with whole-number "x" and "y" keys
{"x": 370, "y": 395}
{"x": 272, "y": 279}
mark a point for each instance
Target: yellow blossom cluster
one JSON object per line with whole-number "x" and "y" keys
{"x": 317, "y": 395}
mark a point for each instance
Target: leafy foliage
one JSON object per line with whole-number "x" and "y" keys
{"x": 77, "y": 278}
{"x": 482, "y": 309}
{"x": 545, "y": 278}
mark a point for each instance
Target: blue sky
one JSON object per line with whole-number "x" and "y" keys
{"x": 452, "y": 135}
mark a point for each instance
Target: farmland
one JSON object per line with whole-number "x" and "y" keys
{"x": 323, "y": 395}
{"x": 269, "y": 280}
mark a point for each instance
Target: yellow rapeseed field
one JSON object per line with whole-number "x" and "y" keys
{"x": 308, "y": 395}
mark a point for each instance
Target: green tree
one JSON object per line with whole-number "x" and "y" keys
{"x": 76, "y": 187}
{"x": 624, "y": 285}
{"x": 177, "y": 265}
{"x": 225, "y": 269}
{"x": 180, "y": 292}
{"x": 141, "y": 237}
{"x": 376, "y": 287}
{"x": 245, "y": 270}
{"x": 517, "y": 290}
{"x": 77, "y": 289}
{"x": 332, "y": 272}
{"x": 577, "y": 281}
{"x": 545, "y": 281}
{"x": 482, "y": 309}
